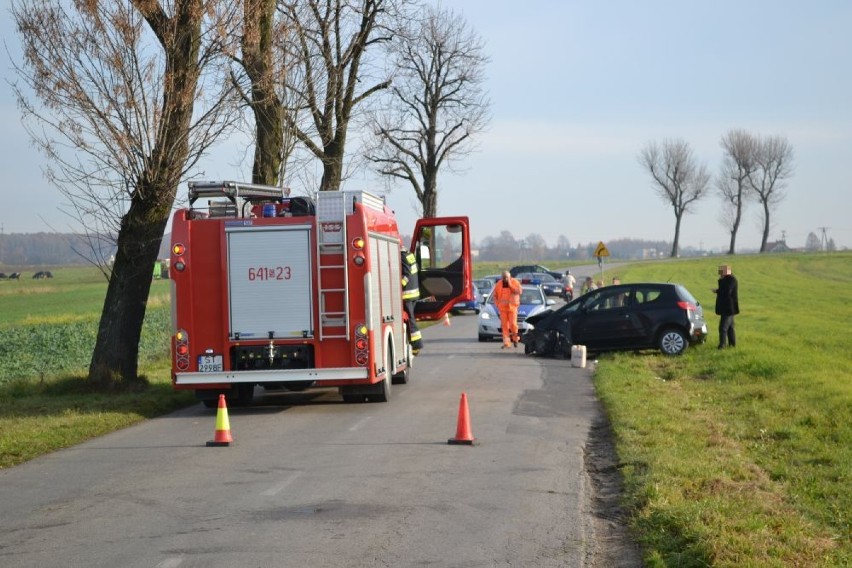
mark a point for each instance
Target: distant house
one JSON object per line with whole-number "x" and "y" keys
{"x": 777, "y": 246}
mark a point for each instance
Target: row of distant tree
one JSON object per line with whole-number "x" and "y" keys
{"x": 44, "y": 249}
{"x": 754, "y": 169}
{"x": 506, "y": 247}
{"x": 56, "y": 249}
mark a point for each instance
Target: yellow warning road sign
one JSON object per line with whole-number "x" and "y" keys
{"x": 601, "y": 250}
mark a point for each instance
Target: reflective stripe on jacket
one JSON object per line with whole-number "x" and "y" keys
{"x": 410, "y": 281}
{"x": 506, "y": 296}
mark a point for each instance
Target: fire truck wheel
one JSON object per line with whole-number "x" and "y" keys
{"x": 244, "y": 395}
{"x": 383, "y": 389}
{"x": 401, "y": 378}
{"x": 353, "y": 398}
{"x": 210, "y": 403}
{"x": 383, "y": 394}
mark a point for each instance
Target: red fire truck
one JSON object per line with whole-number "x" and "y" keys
{"x": 293, "y": 292}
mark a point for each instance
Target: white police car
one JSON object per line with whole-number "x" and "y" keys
{"x": 533, "y": 301}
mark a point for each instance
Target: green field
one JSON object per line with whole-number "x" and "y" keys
{"x": 739, "y": 457}
{"x": 48, "y": 327}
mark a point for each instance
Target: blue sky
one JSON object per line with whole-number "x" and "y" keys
{"x": 577, "y": 89}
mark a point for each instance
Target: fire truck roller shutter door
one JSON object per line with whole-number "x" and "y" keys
{"x": 269, "y": 281}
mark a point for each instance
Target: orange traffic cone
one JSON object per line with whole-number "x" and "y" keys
{"x": 447, "y": 320}
{"x": 463, "y": 434}
{"x": 222, "y": 436}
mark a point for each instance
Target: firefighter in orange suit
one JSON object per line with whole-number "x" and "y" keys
{"x": 410, "y": 295}
{"x": 507, "y": 296}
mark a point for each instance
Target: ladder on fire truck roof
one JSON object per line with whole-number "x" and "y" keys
{"x": 233, "y": 189}
{"x": 331, "y": 258}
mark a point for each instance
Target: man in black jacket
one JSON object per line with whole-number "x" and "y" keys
{"x": 727, "y": 306}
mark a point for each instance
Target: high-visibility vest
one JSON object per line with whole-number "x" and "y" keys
{"x": 506, "y": 296}
{"x": 410, "y": 282}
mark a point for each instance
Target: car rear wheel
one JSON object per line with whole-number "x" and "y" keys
{"x": 673, "y": 341}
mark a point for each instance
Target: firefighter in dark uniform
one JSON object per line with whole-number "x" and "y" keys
{"x": 410, "y": 295}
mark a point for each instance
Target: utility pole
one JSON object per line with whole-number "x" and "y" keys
{"x": 823, "y": 242}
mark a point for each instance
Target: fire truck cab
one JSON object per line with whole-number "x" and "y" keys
{"x": 294, "y": 292}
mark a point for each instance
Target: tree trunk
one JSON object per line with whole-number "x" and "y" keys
{"x": 270, "y": 140}
{"x": 116, "y": 354}
{"x": 675, "y": 244}
{"x": 258, "y": 48}
{"x": 765, "y": 240}
{"x": 115, "y": 357}
{"x": 332, "y": 165}
{"x": 430, "y": 194}
{"x": 735, "y": 228}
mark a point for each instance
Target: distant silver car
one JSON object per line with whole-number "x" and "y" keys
{"x": 484, "y": 285}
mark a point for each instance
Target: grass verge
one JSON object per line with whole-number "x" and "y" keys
{"x": 39, "y": 417}
{"x": 743, "y": 457}
{"x": 47, "y": 333}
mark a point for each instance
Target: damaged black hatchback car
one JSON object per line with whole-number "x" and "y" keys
{"x": 623, "y": 317}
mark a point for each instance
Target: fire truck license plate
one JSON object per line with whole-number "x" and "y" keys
{"x": 209, "y": 363}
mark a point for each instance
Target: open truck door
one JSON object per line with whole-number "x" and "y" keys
{"x": 442, "y": 248}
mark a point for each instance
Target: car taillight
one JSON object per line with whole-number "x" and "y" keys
{"x": 688, "y": 306}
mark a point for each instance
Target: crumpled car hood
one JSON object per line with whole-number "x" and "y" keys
{"x": 541, "y": 319}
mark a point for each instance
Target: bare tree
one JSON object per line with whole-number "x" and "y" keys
{"x": 738, "y": 163}
{"x": 118, "y": 84}
{"x": 678, "y": 178}
{"x": 330, "y": 40}
{"x": 437, "y": 103}
{"x": 773, "y": 161}
{"x": 261, "y": 60}
{"x": 502, "y": 247}
{"x": 536, "y": 246}
{"x": 563, "y": 245}
{"x": 813, "y": 243}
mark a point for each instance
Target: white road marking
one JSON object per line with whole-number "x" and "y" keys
{"x": 173, "y": 562}
{"x": 275, "y": 489}
{"x": 357, "y": 425}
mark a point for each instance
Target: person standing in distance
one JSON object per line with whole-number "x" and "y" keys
{"x": 727, "y": 306}
{"x": 568, "y": 284}
{"x": 507, "y": 297}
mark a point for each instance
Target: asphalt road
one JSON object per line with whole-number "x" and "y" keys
{"x": 313, "y": 482}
